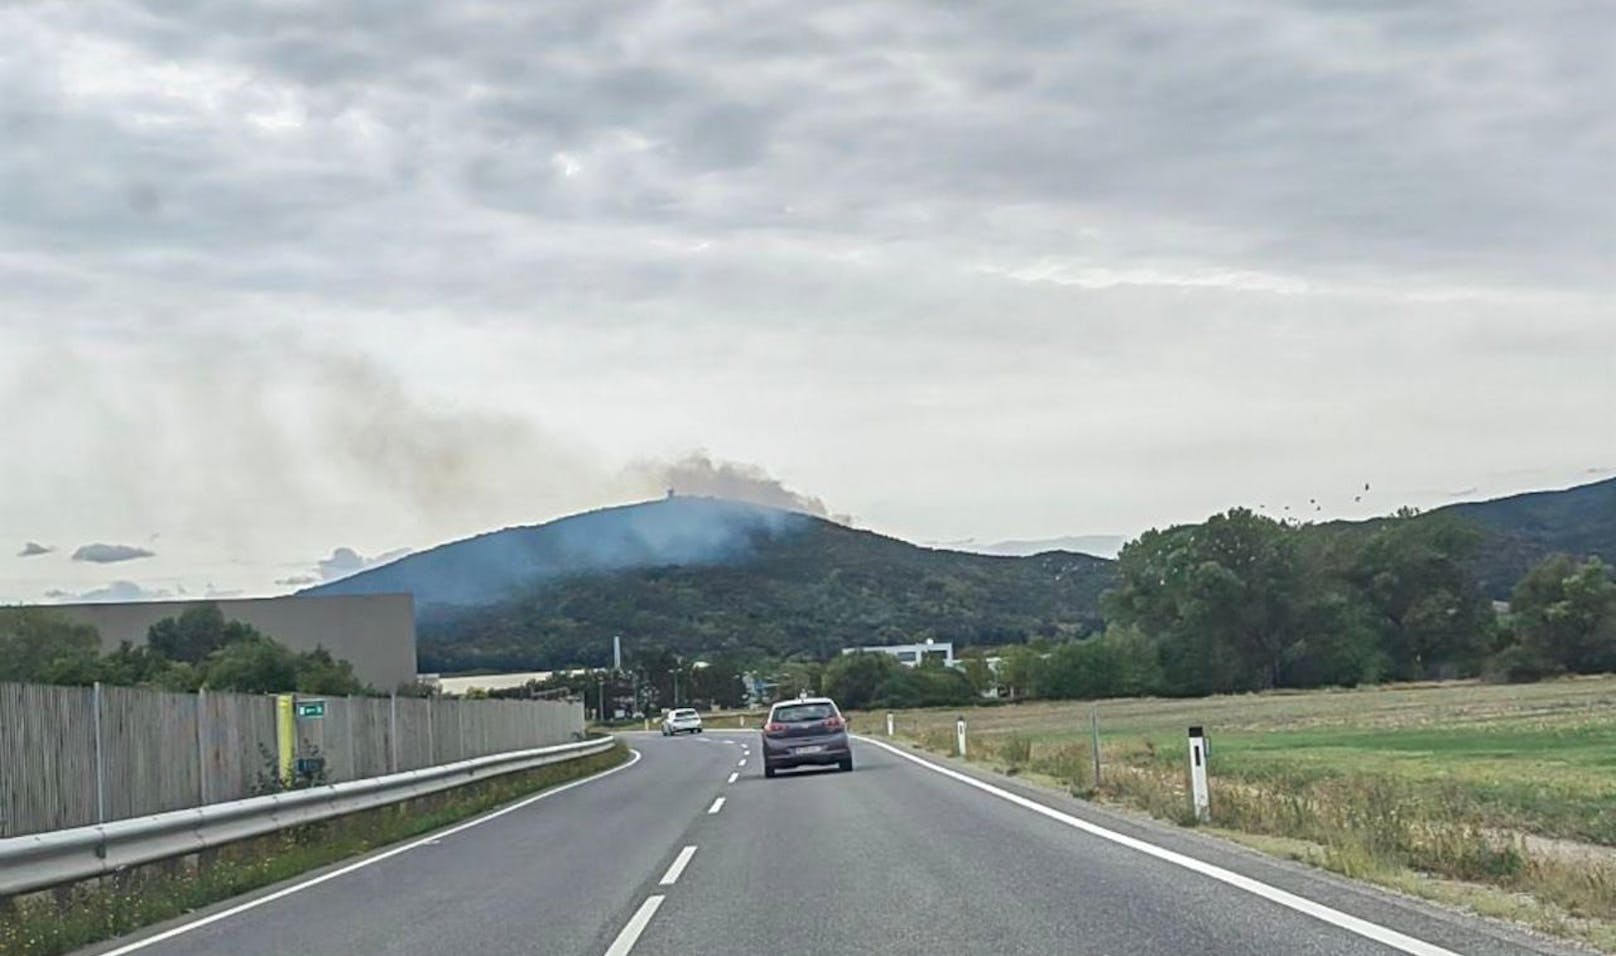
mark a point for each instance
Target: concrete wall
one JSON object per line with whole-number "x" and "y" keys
{"x": 376, "y": 632}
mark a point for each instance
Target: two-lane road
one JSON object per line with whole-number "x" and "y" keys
{"x": 691, "y": 850}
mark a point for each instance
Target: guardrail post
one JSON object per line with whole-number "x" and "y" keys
{"x": 889, "y": 725}
{"x": 1200, "y": 799}
{"x": 285, "y": 737}
{"x": 100, "y": 763}
{"x": 959, "y": 736}
{"x": 1094, "y": 739}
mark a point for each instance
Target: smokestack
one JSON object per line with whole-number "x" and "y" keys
{"x": 617, "y": 653}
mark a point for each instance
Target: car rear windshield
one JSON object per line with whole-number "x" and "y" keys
{"x": 803, "y": 713}
{"x": 684, "y": 713}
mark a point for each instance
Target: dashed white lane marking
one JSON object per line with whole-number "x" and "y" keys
{"x": 636, "y": 925}
{"x": 717, "y": 806}
{"x": 679, "y": 863}
{"x": 742, "y": 763}
{"x": 1301, "y": 904}
{"x": 361, "y": 864}
{"x": 733, "y": 776}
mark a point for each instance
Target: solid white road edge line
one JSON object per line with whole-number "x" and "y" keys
{"x": 367, "y": 861}
{"x": 678, "y": 868}
{"x": 1301, "y": 904}
{"x": 636, "y": 925}
{"x": 733, "y": 776}
{"x": 717, "y": 806}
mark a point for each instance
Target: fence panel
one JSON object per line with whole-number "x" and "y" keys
{"x": 238, "y": 733}
{"x": 150, "y": 752}
{"x": 47, "y": 758}
{"x": 164, "y": 751}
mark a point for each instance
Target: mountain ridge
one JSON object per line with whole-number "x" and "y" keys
{"x": 707, "y": 574}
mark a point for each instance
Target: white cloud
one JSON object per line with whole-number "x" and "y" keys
{"x": 116, "y": 592}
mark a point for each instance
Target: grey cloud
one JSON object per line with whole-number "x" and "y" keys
{"x": 33, "y": 549}
{"x": 345, "y": 562}
{"x": 117, "y": 591}
{"x": 1282, "y": 138}
{"x": 110, "y": 553}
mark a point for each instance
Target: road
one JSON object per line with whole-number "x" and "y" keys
{"x": 897, "y": 857}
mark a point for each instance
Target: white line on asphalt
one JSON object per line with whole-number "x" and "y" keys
{"x": 733, "y": 776}
{"x": 742, "y": 763}
{"x": 717, "y": 805}
{"x": 367, "y": 861}
{"x": 636, "y": 925}
{"x": 679, "y": 863}
{"x": 1300, "y": 904}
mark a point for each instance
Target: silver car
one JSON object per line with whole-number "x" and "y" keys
{"x": 681, "y": 720}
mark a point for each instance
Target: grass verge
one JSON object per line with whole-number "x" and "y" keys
{"x": 67, "y": 918}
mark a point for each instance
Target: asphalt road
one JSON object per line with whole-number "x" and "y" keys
{"x": 895, "y": 857}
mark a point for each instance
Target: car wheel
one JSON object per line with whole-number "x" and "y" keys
{"x": 768, "y": 770}
{"x": 846, "y": 765}
{"x": 698, "y": 730}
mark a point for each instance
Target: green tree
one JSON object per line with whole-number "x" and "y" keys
{"x": 320, "y": 673}
{"x": 253, "y": 666}
{"x": 1564, "y": 615}
{"x": 1221, "y": 599}
{"x": 1431, "y": 618}
{"x": 130, "y": 665}
{"x": 718, "y": 683}
{"x": 979, "y": 674}
{"x": 1020, "y": 669}
{"x": 856, "y": 681}
{"x": 41, "y": 646}
{"x": 196, "y": 633}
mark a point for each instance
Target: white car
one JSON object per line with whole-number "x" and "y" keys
{"x": 681, "y": 721}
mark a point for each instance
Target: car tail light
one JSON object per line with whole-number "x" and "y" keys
{"x": 834, "y": 723}
{"x": 774, "y": 728}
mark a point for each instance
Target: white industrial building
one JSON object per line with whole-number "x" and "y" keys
{"x": 910, "y": 655}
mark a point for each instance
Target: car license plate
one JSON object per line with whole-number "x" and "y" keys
{"x": 813, "y": 749}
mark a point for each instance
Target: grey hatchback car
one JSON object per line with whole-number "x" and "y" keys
{"x": 808, "y": 731}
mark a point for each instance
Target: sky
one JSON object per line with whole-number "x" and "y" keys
{"x": 293, "y": 286}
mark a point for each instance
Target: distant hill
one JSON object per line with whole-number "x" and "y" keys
{"x": 499, "y": 565}
{"x": 1099, "y": 545}
{"x": 1523, "y": 529}
{"x": 704, "y": 575}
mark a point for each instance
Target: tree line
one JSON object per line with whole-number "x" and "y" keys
{"x": 197, "y": 649}
{"x": 1242, "y": 602}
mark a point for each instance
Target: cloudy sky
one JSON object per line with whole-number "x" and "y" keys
{"x": 298, "y": 276}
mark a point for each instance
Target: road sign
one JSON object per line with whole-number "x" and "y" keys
{"x": 310, "y": 709}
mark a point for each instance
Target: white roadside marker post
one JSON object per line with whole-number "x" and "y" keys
{"x": 1198, "y": 792}
{"x": 889, "y": 725}
{"x": 959, "y": 736}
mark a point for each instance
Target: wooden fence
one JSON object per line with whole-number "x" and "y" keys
{"x": 71, "y": 756}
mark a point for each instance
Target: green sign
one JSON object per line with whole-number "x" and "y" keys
{"x": 310, "y": 709}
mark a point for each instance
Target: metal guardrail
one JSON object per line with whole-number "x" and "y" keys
{"x": 42, "y": 860}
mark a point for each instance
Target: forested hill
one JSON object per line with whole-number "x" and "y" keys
{"x": 1521, "y": 530}
{"x": 790, "y": 584}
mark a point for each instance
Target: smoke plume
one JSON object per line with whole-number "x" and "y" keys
{"x": 699, "y": 474}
